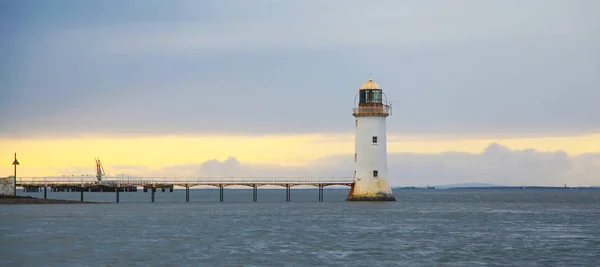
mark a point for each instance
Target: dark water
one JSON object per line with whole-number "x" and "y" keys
{"x": 424, "y": 228}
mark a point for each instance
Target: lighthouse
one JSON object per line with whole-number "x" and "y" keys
{"x": 370, "y": 110}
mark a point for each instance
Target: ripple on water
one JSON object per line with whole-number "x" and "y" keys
{"x": 448, "y": 228}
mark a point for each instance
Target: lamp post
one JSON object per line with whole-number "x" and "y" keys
{"x": 15, "y": 163}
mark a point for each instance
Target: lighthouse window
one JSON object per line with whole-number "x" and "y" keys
{"x": 375, "y": 174}
{"x": 370, "y": 96}
{"x": 356, "y": 123}
{"x": 374, "y": 139}
{"x": 355, "y": 157}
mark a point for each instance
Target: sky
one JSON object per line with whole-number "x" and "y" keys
{"x": 501, "y": 92}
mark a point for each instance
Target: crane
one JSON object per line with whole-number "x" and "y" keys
{"x": 99, "y": 170}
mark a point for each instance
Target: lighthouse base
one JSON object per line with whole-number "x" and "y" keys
{"x": 369, "y": 195}
{"x": 378, "y": 197}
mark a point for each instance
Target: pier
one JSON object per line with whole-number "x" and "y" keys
{"x": 131, "y": 184}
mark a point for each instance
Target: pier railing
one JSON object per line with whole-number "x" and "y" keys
{"x": 145, "y": 181}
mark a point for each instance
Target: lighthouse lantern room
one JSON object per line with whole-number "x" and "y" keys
{"x": 371, "y": 109}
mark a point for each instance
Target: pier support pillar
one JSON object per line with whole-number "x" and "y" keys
{"x": 254, "y": 193}
{"x": 321, "y": 193}
{"x": 187, "y": 193}
{"x": 153, "y": 193}
{"x": 81, "y": 195}
{"x": 288, "y": 193}
{"x": 117, "y": 189}
{"x": 221, "y": 193}
{"x": 45, "y": 192}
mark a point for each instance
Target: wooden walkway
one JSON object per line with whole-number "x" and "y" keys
{"x": 124, "y": 184}
{"x": 185, "y": 181}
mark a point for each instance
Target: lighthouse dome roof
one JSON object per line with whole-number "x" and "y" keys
{"x": 370, "y": 85}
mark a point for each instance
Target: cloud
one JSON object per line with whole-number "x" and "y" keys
{"x": 505, "y": 68}
{"x": 241, "y": 25}
{"x": 497, "y": 164}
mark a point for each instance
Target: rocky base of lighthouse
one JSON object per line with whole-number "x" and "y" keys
{"x": 382, "y": 197}
{"x": 356, "y": 194}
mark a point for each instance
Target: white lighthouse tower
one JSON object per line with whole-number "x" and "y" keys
{"x": 370, "y": 174}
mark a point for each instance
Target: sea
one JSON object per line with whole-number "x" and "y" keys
{"x": 450, "y": 227}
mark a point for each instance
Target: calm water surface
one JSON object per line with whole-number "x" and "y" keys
{"x": 423, "y": 228}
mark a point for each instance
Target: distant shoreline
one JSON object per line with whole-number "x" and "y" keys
{"x": 34, "y": 200}
{"x": 499, "y": 188}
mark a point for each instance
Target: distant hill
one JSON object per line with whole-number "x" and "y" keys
{"x": 491, "y": 186}
{"x": 471, "y": 185}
